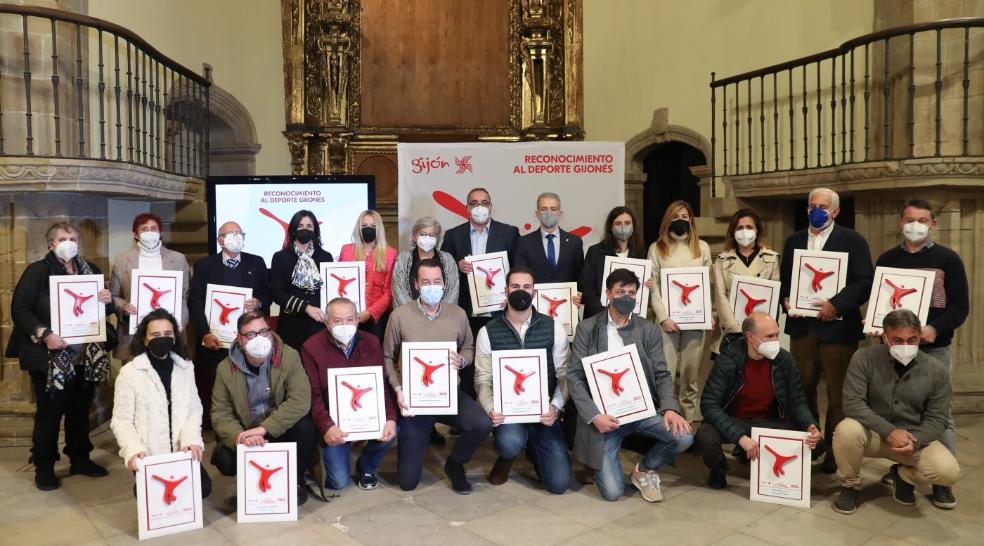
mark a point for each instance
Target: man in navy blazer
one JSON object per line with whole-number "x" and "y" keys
{"x": 553, "y": 254}
{"x": 823, "y": 346}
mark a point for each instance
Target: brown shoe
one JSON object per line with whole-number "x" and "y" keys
{"x": 500, "y": 471}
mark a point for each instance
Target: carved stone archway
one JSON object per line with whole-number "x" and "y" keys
{"x": 232, "y": 135}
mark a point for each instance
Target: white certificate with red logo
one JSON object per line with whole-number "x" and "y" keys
{"x": 266, "y": 482}
{"x": 818, "y": 275}
{"x": 430, "y": 382}
{"x": 356, "y": 401}
{"x": 752, "y": 294}
{"x": 895, "y": 288}
{"x": 556, "y": 300}
{"x": 781, "y": 474}
{"x": 686, "y": 293}
{"x": 169, "y": 494}
{"x": 223, "y": 307}
{"x": 519, "y": 384}
{"x": 642, "y": 269}
{"x": 344, "y": 280}
{"x": 487, "y": 281}
{"x": 618, "y": 384}
{"x": 76, "y": 314}
{"x": 151, "y": 290}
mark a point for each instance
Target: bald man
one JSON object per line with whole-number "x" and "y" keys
{"x": 231, "y": 267}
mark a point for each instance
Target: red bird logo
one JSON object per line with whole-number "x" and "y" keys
{"x": 519, "y": 379}
{"x": 752, "y": 303}
{"x": 79, "y": 300}
{"x": 899, "y": 292}
{"x": 265, "y": 474}
{"x": 226, "y": 311}
{"x": 429, "y": 369}
{"x": 456, "y": 207}
{"x": 685, "y": 291}
{"x": 342, "y": 284}
{"x": 357, "y": 394}
{"x": 616, "y": 378}
{"x": 155, "y": 298}
{"x": 169, "y": 487}
{"x": 489, "y": 275}
{"x": 554, "y": 305}
{"x": 781, "y": 461}
{"x": 463, "y": 164}
{"x": 282, "y": 223}
{"x": 818, "y": 276}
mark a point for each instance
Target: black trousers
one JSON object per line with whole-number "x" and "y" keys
{"x": 73, "y": 402}
{"x": 303, "y": 433}
{"x": 708, "y": 440}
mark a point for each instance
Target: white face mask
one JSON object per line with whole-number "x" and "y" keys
{"x": 903, "y": 353}
{"x": 915, "y": 232}
{"x": 67, "y": 250}
{"x": 343, "y": 333}
{"x": 426, "y": 242}
{"x": 480, "y": 214}
{"x": 745, "y": 237}
{"x": 769, "y": 349}
{"x": 431, "y": 294}
{"x": 233, "y": 242}
{"x": 258, "y": 347}
{"x": 150, "y": 239}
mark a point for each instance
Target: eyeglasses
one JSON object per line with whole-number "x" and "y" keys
{"x": 252, "y": 335}
{"x": 228, "y": 233}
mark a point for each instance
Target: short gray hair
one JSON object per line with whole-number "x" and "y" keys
{"x": 835, "y": 200}
{"x": 547, "y": 195}
{"x": 425, "y": 223}
{"x": 53, "y": 230}
{"x": 336, "y": 301}
{"x": 901, "y": 318}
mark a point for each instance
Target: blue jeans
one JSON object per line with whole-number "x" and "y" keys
{"x": 338, "y": 473}
{"x": 611, "y": 482}
{"x": 546, "y": 450}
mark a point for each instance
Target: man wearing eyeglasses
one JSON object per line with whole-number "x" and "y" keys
{"x": 262, "y": 394}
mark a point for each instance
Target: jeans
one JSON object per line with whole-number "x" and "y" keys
{"x": 546, "y": 450}
{"x": 73, "y": 402}
{"x": 338, "y": 472}
{"x": 611, "y": 482}
{"x": 302, "y": 433}
{"x": 949, "y": 436}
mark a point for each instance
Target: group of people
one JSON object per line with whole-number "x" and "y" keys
{"x": 890, "y": 400}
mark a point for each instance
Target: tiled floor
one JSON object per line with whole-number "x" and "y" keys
{"x": 102, "y": 511}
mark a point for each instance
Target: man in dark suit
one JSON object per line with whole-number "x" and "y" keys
{"x": 823, "y": 346}
{"x": 231, "y": 267}
{"x": 553, "y": 254}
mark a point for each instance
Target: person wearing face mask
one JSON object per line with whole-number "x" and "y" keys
{"x": 345, "y": 345}
{"x": 621, "y": 238}
{"x": 295, "y": 280}
{"x": 369, "y": 245}
{"x": 430, "y": 319}
{"x": 156, "y": 409}
{"x": 148, "y": 254}
{"x": 554, "y": 255}
{"x": 261, "y": 394}
{"x": 753, "y": 383}
{"x": 230, "y": 267}
{"x": 600, "y": 436}
{"x": 679, "y": 246}
{"x": 522, "y": 327}
{"x": 424, "y": 238}
{"x": 822, "y": 346}
{"x": 63, "y": 376}
{"x": 897, "y": 400}
{"x": 746, "y": 254}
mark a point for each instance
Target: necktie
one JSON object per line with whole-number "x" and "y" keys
{"x": 551, "y": 251}
{"x": 232, "y": 263}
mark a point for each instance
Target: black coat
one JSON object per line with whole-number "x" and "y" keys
{"x": 252, "y": 272}
{"x": 293, "y": 324}
{"x": 457, "y": 243}
{"x": 592, "y": 273}
{"x": 530, "y": 253}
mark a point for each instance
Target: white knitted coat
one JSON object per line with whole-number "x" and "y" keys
{"x": 140, "y": 409}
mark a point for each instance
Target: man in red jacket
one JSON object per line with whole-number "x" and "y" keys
{"x": 343, "y": 345}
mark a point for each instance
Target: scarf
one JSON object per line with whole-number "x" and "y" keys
{"x": 154, "y": 252}
{"x": 91, "y": 356}
{"x": 306, "y": 275}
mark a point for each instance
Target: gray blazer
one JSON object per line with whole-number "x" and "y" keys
{"x": 591, "y": 338}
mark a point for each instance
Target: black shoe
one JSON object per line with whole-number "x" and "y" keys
{"x": 44, "y": 477}
{"x": 718, "y": 478}
{"x": 456, "y": 473}
{"x": 887, "y": 479}
{"x": 302, "y": 494}
{"x": 943, "y": 497}
{"x": 87, "y": 468}
{"x": 367, "y": 481}
{"x": 829, "y": 464}
{"x": 905, "y": 492}
{"x": 500, "y": 471}
{"x": 847, "y": 501}
{"x": 436, "y": 439}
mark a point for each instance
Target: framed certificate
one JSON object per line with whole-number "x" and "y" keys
{"x": 642, "y": 268}
{"x": 817, "y": 276}
{"x": 356, "y": 401}
{"x": 618, "y": 384}
{"x": 169, "y": 495}
{"x": 430, "y": 382}
{"x": 781, "y": 474}
{"x": 686, "y": 293}
{"x": 893, "y": 289}
{"x": 556, "y": 300}
{"x": 519, "y": 384}
{"x": 344, "y": 280}
{"x": 487, "y": 281}
{"x": 76, "y": 314}
{"x": 151, "y": 290}
{"x": 266, "y": 482}
{"x": 751, "y": 294}
{"x": 223, "y": 307}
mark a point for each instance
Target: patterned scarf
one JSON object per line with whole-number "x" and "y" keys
{"x": 91, "y": 356}
{"x": 306, "y": 274}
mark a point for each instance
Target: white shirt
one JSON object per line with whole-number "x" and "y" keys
{"x": 816, "y": 242}
{"x": 623, "y": 254}
{"x": 556, "y": 242}
{"x": 614, "y": 339}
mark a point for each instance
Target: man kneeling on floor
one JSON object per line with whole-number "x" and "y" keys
{"x": 754, "y": 383}
{"x": 896, "y": 403}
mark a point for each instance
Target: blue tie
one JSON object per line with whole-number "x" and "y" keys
{"x": 232, "y": 263}
{"x": 551, "y": 252}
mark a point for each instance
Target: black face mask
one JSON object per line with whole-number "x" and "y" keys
{"x": 369, "y": 234}
{"x": 160, "y": 347}
{"x": 304, "y": 236}
{"x": 520, "y": 300}
{"x": 679, "y": 227}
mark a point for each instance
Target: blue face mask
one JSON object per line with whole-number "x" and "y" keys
{"x": 431, "y": 294}
{"x": 818, "y": 218}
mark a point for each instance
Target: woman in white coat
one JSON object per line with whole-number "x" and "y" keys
{"x": 156, "y": 409}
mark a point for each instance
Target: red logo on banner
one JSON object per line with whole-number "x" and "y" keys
{"x": 169, "y": 487}
{"x": 428, "y": 377}
{"x": 79, "y": 300}
{"x": 452, "y": 205}
{"x": 685, "y": 291}
{"x": 283, "y": 224}
{"x": 357, "y": 394}
{"x": 898, "y": 293}
{"x": 428, "y": 164}
{"x": 554, "y": 304}
{"x": 265, "y": 474}
{"x": 519, "y": 379}
{"x": 616, "y": 378}
{"x": 752, "y": 302}
{"x": 155, "y": 296}
{"x": 818, "y": 276}
{"x": 226, "y": 311}
{"x": 463, "y": 164}
{"x": 780, "y": 462}
{"x": 342, "y": 284}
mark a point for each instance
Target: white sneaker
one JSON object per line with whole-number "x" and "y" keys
{"x": 647, "y": 483}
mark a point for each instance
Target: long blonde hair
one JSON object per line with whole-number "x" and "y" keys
{"x": 379, "y": 252}
{"x": 664, "y": 243}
